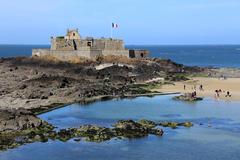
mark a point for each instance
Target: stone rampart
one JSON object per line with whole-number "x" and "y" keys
{"x": 61, "y": 55}
{"x": 70, "y": 55}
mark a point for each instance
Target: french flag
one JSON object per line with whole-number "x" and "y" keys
{"x": 114, "y": 25}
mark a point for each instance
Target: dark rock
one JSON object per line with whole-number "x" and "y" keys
{"x": 51, "y": 94}
{"x": 188, "y": 97}
{"x": 23, "y": 86}
{"x": 44, "y": 97}
{"x": 64, "y": 135}
{"x": 130, "y": 129}
{"x": 157, "y": 132}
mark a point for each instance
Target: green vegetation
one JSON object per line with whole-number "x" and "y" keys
{"x": 177, "y": 77}
{"x": 60, "y": 37}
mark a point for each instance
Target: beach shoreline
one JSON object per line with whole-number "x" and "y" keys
{"x": 210, "y": 85}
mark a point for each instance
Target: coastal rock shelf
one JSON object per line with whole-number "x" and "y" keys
{"x": 16, "y": 120}
{"x": 40, "y": 84}
{"x": 93, "y": 133}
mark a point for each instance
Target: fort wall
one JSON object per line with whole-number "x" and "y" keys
{"x": 69, "y": 55}
{"x": 62, "y": 55}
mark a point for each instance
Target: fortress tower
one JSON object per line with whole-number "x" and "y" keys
{"x": 73, "y": 34}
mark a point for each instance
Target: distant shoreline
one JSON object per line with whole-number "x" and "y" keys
{"x": 209, "y": 85}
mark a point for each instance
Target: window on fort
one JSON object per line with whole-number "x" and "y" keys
{"x": 142, "y": 55}
{"x": 89, "y": 44}
{"x": 73, "y": 34}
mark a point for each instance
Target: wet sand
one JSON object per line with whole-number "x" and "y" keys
{"x": 209, "y": 85}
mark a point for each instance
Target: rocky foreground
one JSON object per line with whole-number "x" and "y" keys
{"x": 30, "y": 86}
{"x": 20, "y": 127}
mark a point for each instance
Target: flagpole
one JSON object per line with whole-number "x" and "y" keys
{"x": 111, "y": 32}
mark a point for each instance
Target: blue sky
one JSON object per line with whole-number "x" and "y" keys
{"x": 141, "y": 21}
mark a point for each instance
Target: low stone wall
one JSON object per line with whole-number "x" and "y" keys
{"x": 61, "y": 55}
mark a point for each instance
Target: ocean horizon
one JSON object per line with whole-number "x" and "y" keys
{"x": 192, "y": 55}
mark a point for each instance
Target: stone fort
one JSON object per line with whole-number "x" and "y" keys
{"x": 73, "y": 45}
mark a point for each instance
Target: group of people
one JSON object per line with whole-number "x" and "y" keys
{"x": 194, "y": 93}
{"x": 219, "y": 91}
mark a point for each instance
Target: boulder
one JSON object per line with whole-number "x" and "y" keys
{"x": 157, "y": 132}
{"x": 130, "y": 129}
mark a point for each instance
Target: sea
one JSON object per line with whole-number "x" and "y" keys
{"x": 191, "y": 55}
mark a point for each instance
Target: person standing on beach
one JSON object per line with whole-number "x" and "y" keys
{"x": 184, "y": 87}
{"x": 228, "y": 94}
{"x": 217, "y": 94}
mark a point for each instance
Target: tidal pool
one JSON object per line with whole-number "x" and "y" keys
{"x": 215, "y": 135}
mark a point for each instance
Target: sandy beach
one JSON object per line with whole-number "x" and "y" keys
{"x": 209, "y": 86}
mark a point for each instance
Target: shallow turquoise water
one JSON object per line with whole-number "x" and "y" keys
{"x": 215, "y": 134}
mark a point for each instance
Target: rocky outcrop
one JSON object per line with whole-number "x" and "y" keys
{"x": 42, "y": 132}
{"x": 123, "y": 128}
{"x": 20, "y": 126}
{"x": 88, "y": 132}
{"x": 174, "y": 125}
{"x": 188, "y": 97}
{"x": 17, "y": 120}
{"x": 130, "y": 129}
